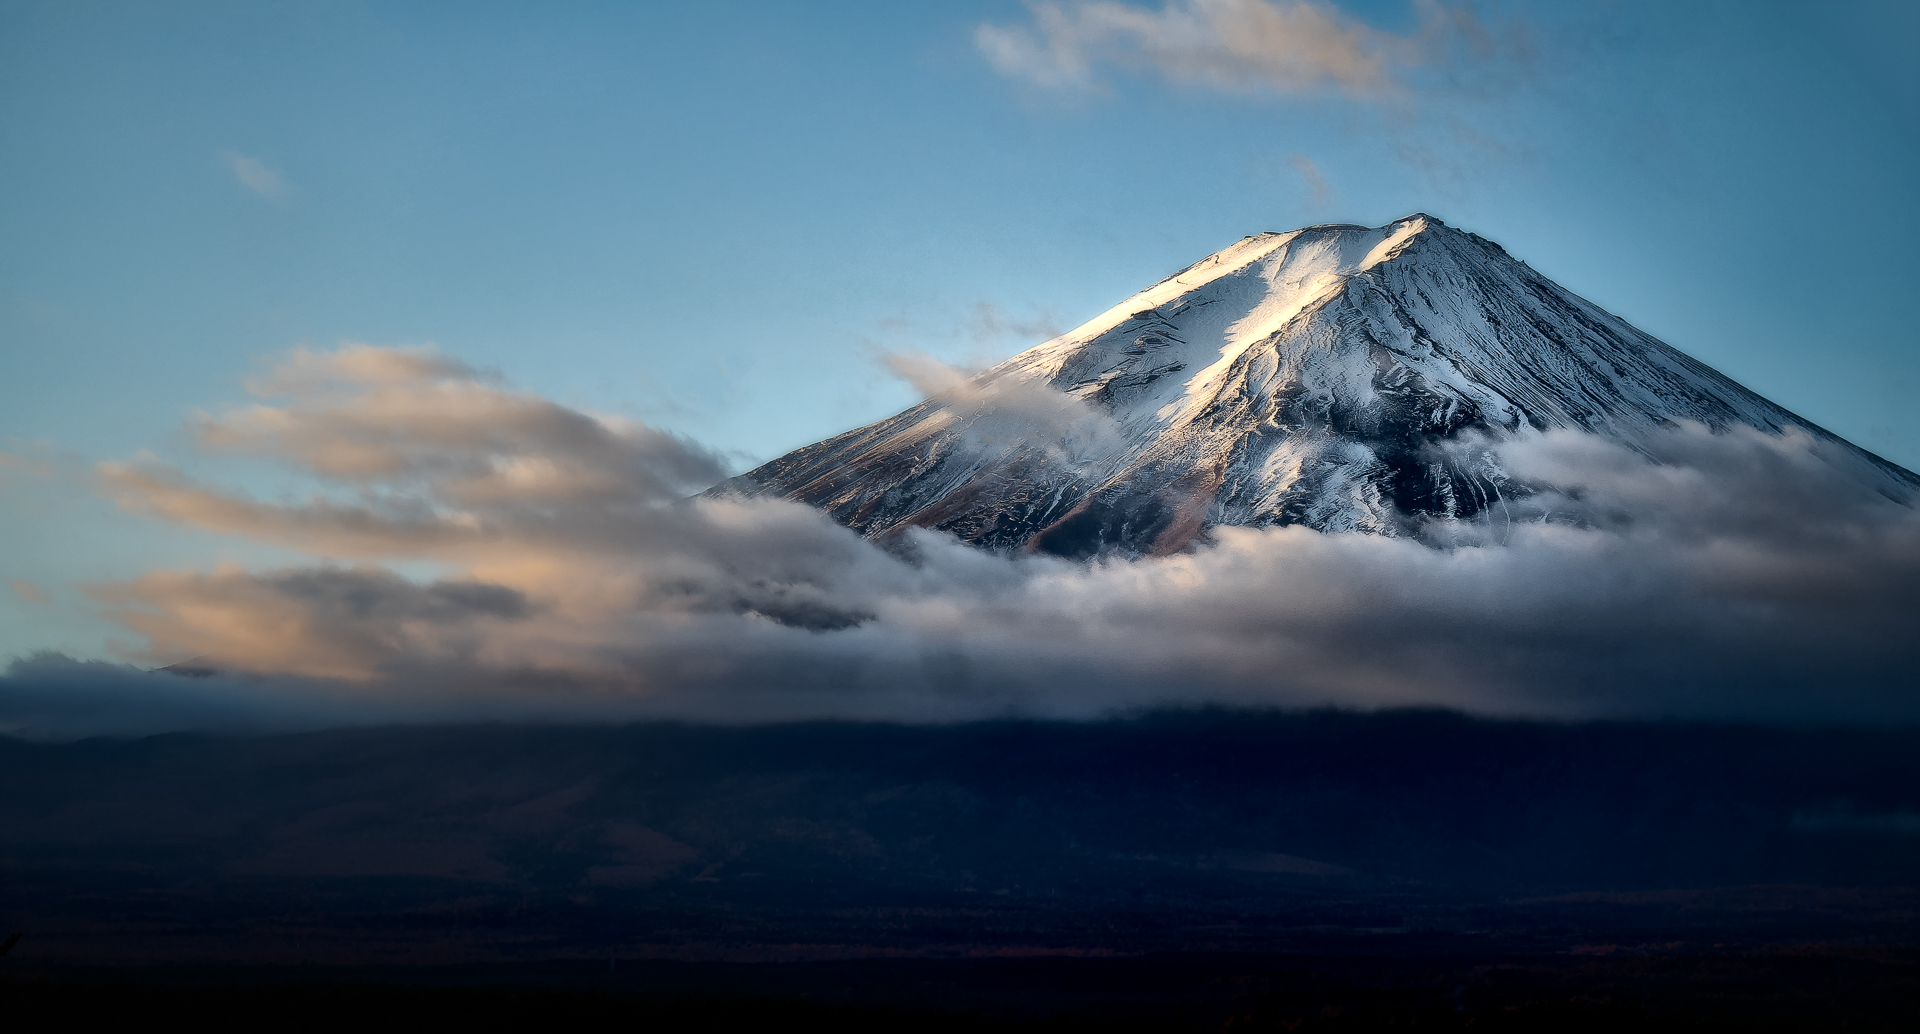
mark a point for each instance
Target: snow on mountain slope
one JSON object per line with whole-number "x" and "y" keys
{"x": 1335, "y": 376}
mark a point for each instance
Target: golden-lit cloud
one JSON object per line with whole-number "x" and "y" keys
{"x": 1288, "y": 47}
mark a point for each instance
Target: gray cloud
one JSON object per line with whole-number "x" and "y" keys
{"x": 324, "y": 621}
{"x": 1732, "y": 575}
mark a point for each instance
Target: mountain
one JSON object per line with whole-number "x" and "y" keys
{"x": 1334, "y": 376}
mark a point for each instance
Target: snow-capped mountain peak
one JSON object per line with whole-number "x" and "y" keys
{"x": 1312, "y": 377}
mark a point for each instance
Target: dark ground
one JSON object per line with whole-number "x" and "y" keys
{"x": 1170, "y": 872}
{"x": 1804, "y": 989}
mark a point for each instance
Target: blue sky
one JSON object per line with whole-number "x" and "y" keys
{"x": 712, "y": 217}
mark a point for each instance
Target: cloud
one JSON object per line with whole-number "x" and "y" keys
{"x": 356, "y": 363}
{"x": 30, "y": 592}
{"x": 1288, "y": 47}
{"x": 325, "y": 622}
{"x": 256, "y": 176}
{"x": 1311, "y": 173}
{"x": 16, "y": 468}
{"x": 1733, "y": 575}
{"x": 991, "y": 326}
{"x": 444, "y": 461}
{"x": 929, "y": 376}
{"x": 1026, "y": 413}
{"x": 1432, "y": 90}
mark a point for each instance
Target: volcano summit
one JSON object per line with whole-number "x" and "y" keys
{"x": 1340, "y": 377}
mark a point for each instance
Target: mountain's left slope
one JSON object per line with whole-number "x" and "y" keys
{"x": 1316, "y": 377}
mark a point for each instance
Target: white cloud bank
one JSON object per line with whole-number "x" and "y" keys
{"x": 1741, "y": 576}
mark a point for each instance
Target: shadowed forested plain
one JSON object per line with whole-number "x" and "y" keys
{"x": 1202, "y": 831}
{"x": 1340, "y": 868}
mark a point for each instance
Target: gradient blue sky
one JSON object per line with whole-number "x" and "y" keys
{"x": 714, "y": 216}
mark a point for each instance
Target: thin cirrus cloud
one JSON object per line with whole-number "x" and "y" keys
{"x": 1285, "y": 47}
{"x": 256, "y": 175}
{"x": 991, "y": 325}
{"x": 1315, "y": 181}
{"x": 1758, "y": 577}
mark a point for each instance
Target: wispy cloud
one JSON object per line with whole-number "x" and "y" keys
{"x": 1025, "y": 413}
{"x": 19, "y": 467}
{"x": 992, "y": 325}
{"x": 30, "y": 592}
{"x": 1288, "y": 47}
{"x": 256, "y": 175}
{"x": 1315, "y": 182}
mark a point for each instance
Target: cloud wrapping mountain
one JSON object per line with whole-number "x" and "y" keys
{"x": 1732, "y": 574}
{"x": 1341, "y": 466}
